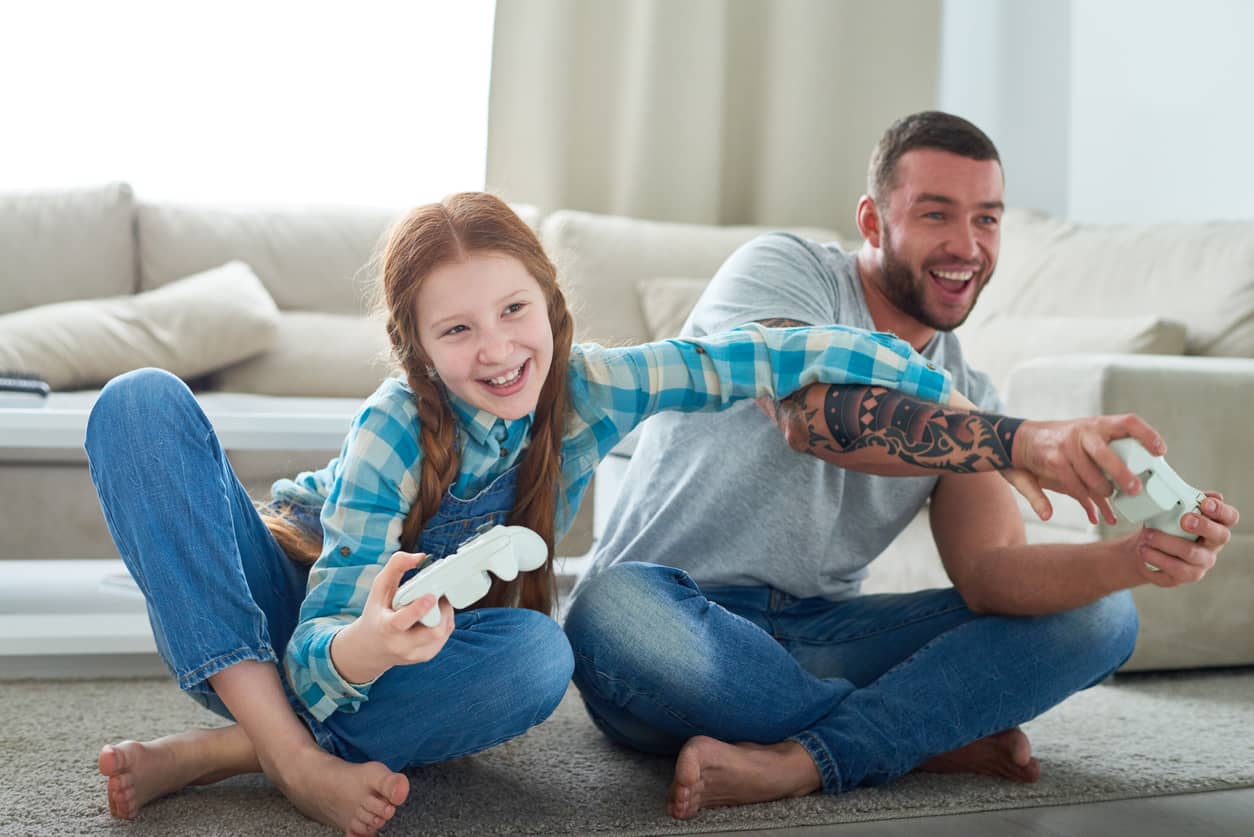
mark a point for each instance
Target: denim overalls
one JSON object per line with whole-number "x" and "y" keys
{"x": 220, "y": 590}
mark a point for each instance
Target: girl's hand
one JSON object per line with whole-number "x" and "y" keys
{"x": 382, "y": 637}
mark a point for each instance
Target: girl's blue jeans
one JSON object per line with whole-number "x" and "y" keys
{"x": 871, "y": 686}
{"x": 220, "y": 591}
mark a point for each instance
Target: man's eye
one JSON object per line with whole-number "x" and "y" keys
{"x": 934, "y": 216}
{"x": 989, "y": 220}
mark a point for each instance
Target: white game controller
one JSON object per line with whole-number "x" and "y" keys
{"x": 1164, "y": 497}
{"x": 462, "y": 577}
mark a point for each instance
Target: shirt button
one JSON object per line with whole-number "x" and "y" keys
{"x": 344, "y": 550}
{"x": 504, "y": 451}
{"x": 930, "y": 366}
{"x": 700, "y": 350}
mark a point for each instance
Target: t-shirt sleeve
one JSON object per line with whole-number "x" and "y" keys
{"x": 774, "y": 276}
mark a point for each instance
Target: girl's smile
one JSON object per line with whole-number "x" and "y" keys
{"x": 484, "y": 324}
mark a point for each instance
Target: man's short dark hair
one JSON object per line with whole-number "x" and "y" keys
{"x": 928, "y": 129}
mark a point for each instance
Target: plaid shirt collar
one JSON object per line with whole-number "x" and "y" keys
{"x": 481, "y": 425}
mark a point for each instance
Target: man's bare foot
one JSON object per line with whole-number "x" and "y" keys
{"x": 710, "y": 773}
{"x": 1007, "y": 754}
{"x": 359, "y": 798}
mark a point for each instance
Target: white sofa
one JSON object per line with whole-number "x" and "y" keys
{"x": 1060, "y": 290}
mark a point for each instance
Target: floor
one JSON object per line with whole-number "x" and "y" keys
{"x": 1216, "y": 814}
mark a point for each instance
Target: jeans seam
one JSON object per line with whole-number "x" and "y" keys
{"x": 611, "y": 680}
{"x": 879, "y": 629}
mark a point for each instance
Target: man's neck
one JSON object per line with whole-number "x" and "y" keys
{"x": 885, "y": 315}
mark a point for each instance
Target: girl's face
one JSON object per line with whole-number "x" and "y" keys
{"x": 484, "y": 324}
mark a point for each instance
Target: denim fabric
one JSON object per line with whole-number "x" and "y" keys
{"x": 220, "y": 590}
{"x": 871, "y": 686}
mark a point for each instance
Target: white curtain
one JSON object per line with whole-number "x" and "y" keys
{"x": 704, "y": 111}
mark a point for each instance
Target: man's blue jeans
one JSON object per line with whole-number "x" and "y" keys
{"x": 871, "y": 687}
{"x": 220, "y": 591}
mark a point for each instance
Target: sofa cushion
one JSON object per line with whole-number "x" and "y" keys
{"x": 325, "y": 355}
{"x": 308, "y": 260}
{"x": 312, "y": 259}
{"x": 666, "y": 303}
{"x": 602, "y": 257}
{"x": 188, "y": 327}
{"x": 1199, "y": 274}
{"x": 66, "y": 244}
{"x": 998, "y": 346}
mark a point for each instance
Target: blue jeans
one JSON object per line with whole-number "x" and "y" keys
{"x": 871, "y": 686}
{"x": 221, "y": 591}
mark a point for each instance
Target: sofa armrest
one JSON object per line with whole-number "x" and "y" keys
{"x": 1199, "y": 404}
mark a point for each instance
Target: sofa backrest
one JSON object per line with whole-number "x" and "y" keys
{"x": 1201, "y": 275}
{"x": 66, "y": 244}
{"x": 602, "y": 258}
{"x": 310, "y": 259}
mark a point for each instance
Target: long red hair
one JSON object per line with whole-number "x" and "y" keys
{"x": 424, "y": 239}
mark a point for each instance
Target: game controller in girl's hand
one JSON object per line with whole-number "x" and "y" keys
{"x": 1164, "y": 497}
{"x": 462, "y": 577}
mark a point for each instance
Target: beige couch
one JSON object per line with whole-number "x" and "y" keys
{"x": 1164, "y": 319}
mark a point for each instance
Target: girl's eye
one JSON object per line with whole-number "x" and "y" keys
{"x": 515, "y": 307}
{"x": 457, "y": 329}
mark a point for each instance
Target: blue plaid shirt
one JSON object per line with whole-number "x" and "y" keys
{"x": 368, "y": 489}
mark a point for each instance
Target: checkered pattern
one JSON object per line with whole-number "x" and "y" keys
{"x": 368, "y": 489}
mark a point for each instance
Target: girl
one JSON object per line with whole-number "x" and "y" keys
{"x": 497, "y": 418}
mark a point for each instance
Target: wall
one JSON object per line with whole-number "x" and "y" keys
{"x": 1110, "y": 110}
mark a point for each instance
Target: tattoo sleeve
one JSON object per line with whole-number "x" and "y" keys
{"x": 837, "y": 420}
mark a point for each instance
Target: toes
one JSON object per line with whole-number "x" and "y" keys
{"x": 112, "y": 760}
{"x": 374, "y": 806}
{"x": 396, "y": 788}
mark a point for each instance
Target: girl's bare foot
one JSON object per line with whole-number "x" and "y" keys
{"x": 140, "y": 772}
{"x": 710, "y": 773}
{"x": 1007, "y": 754}
{"x": 358, "y": 798}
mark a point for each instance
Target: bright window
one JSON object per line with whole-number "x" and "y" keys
{"x": 368, "y": 102}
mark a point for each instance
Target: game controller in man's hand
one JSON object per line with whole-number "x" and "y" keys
{"x": 1164, "y": 497}
{"x": 462, "y": 577}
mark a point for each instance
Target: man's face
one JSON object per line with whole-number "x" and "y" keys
{"x": 940, "y": 234}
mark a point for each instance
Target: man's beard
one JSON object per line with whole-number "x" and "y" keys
{"x": 905, "y": 290}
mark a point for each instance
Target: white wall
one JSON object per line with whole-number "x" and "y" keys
{"x": 1110, "y": 110}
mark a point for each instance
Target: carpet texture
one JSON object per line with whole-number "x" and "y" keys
{"x": 1138, "y": 736}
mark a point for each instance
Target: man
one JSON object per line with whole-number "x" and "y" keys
{"x": 722, "y": 618}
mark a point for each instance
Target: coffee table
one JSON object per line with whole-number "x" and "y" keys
{"x": 76, "y": 617}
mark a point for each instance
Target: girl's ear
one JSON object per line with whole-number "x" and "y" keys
{"x": 868, "y": 220}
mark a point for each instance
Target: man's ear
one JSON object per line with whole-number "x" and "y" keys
{"x": 868, "y": 218}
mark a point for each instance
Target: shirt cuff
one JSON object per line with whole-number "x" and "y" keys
{"x": 337, "y": 693}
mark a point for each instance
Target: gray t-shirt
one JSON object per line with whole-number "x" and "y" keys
{"x": 722, "y": 496}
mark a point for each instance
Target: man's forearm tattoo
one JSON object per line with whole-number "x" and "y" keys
{"x": 918, "y": 432}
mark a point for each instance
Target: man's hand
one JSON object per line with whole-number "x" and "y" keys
{"x": 1168, "y": 561}
{"x": 1074, "y": 457}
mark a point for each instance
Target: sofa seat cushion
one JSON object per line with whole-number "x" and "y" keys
{"x": 190, "y": 327}
{"x": 67, "y": 244}
{"x": 315, "y": 354}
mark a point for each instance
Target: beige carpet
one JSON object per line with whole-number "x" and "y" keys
{"x": 1141, "y": 735}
